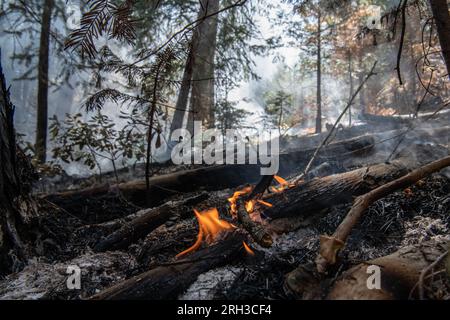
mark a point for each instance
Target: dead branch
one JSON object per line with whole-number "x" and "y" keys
{"x": 330, "y": 245}
{"x": 425, "y": 271}
{"x": 399, "y": 274}
{"x": 256, "y": 230}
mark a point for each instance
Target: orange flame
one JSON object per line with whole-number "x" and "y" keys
{"x": 210, "y": 226}
{"x": 283, "y": 185}
{"x": 248, "y": 249}
{"x": 233, "y": 199}
{"x": 265, "y": 203}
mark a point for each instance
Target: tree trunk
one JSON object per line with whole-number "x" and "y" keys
{"x": 183, "y": 95}
{"x": 16, "y": 173}
{"x": 319, "y": 76}
{"x": 350, "y": 74}
{"x": 42, "y": 98}
{"x": 202, "y": 95}
{"x": 442, "y": 21}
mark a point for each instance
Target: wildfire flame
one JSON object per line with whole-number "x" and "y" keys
{"x": 233, "y": 199}
{"x": 283, "y": 185}
{"x": 210, "y": 226}
{"x": 248, "y": 249}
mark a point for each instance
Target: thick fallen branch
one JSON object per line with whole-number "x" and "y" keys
{"x": 310, "y": 197}
{"x": 168, "y": 281}
{"x": 147, "y": 221}
{"x": 400, "y": 273}
{"x": 330, "y": 245}
{"x": 209, "y": 178}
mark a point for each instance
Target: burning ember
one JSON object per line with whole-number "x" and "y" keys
{"x": 233, "y": 200}
{"x": 248, "y": 249}
{"x": 210, "y": 226}
{"x": 283, "y": 185}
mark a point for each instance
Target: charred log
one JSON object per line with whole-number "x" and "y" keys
{"x": 167, "y": 281}
{"x": 210, "y": 178}
{"x": 146, "y": 221}
{"x": 310, "y": 197}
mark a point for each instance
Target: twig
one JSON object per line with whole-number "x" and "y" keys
{"x": 425, "y": 271}
{"x": 330, "y": 133}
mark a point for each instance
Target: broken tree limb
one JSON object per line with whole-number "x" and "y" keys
{"x": 399, "y": 274}
{"x": 330, "y": 245}
{"x": 146, "y": 221}
{"x": 169, "y": 280}
{"x": 256, "y": 230}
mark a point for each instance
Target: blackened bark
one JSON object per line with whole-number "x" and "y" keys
{"x": 42, "y": 98}
{"x": 168, "y": 281}
{"x": 16, "y": 207}
{"x": 442, "y": 21}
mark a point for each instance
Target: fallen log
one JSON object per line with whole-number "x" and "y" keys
{"x": 168, "y": 281}
{"x": 312, "y": 196}
{"x": 146, "y": 221}
{"x": 400, "y": 274}
{"x": 211, "y": 178}
{"x": 331, "y": 245}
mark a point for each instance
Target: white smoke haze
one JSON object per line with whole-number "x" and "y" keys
{"x": 248, "y": 95}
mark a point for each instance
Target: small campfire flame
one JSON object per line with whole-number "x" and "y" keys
{"x": 283, "y": 185}
{"x": 210, "y": 225}
{"x": 248, "y": 249}
{"x": 233, "y": 199}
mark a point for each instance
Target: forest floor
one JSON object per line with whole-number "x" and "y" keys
{"x": 408, "y": 217}
{"x": 68, "y": 237}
